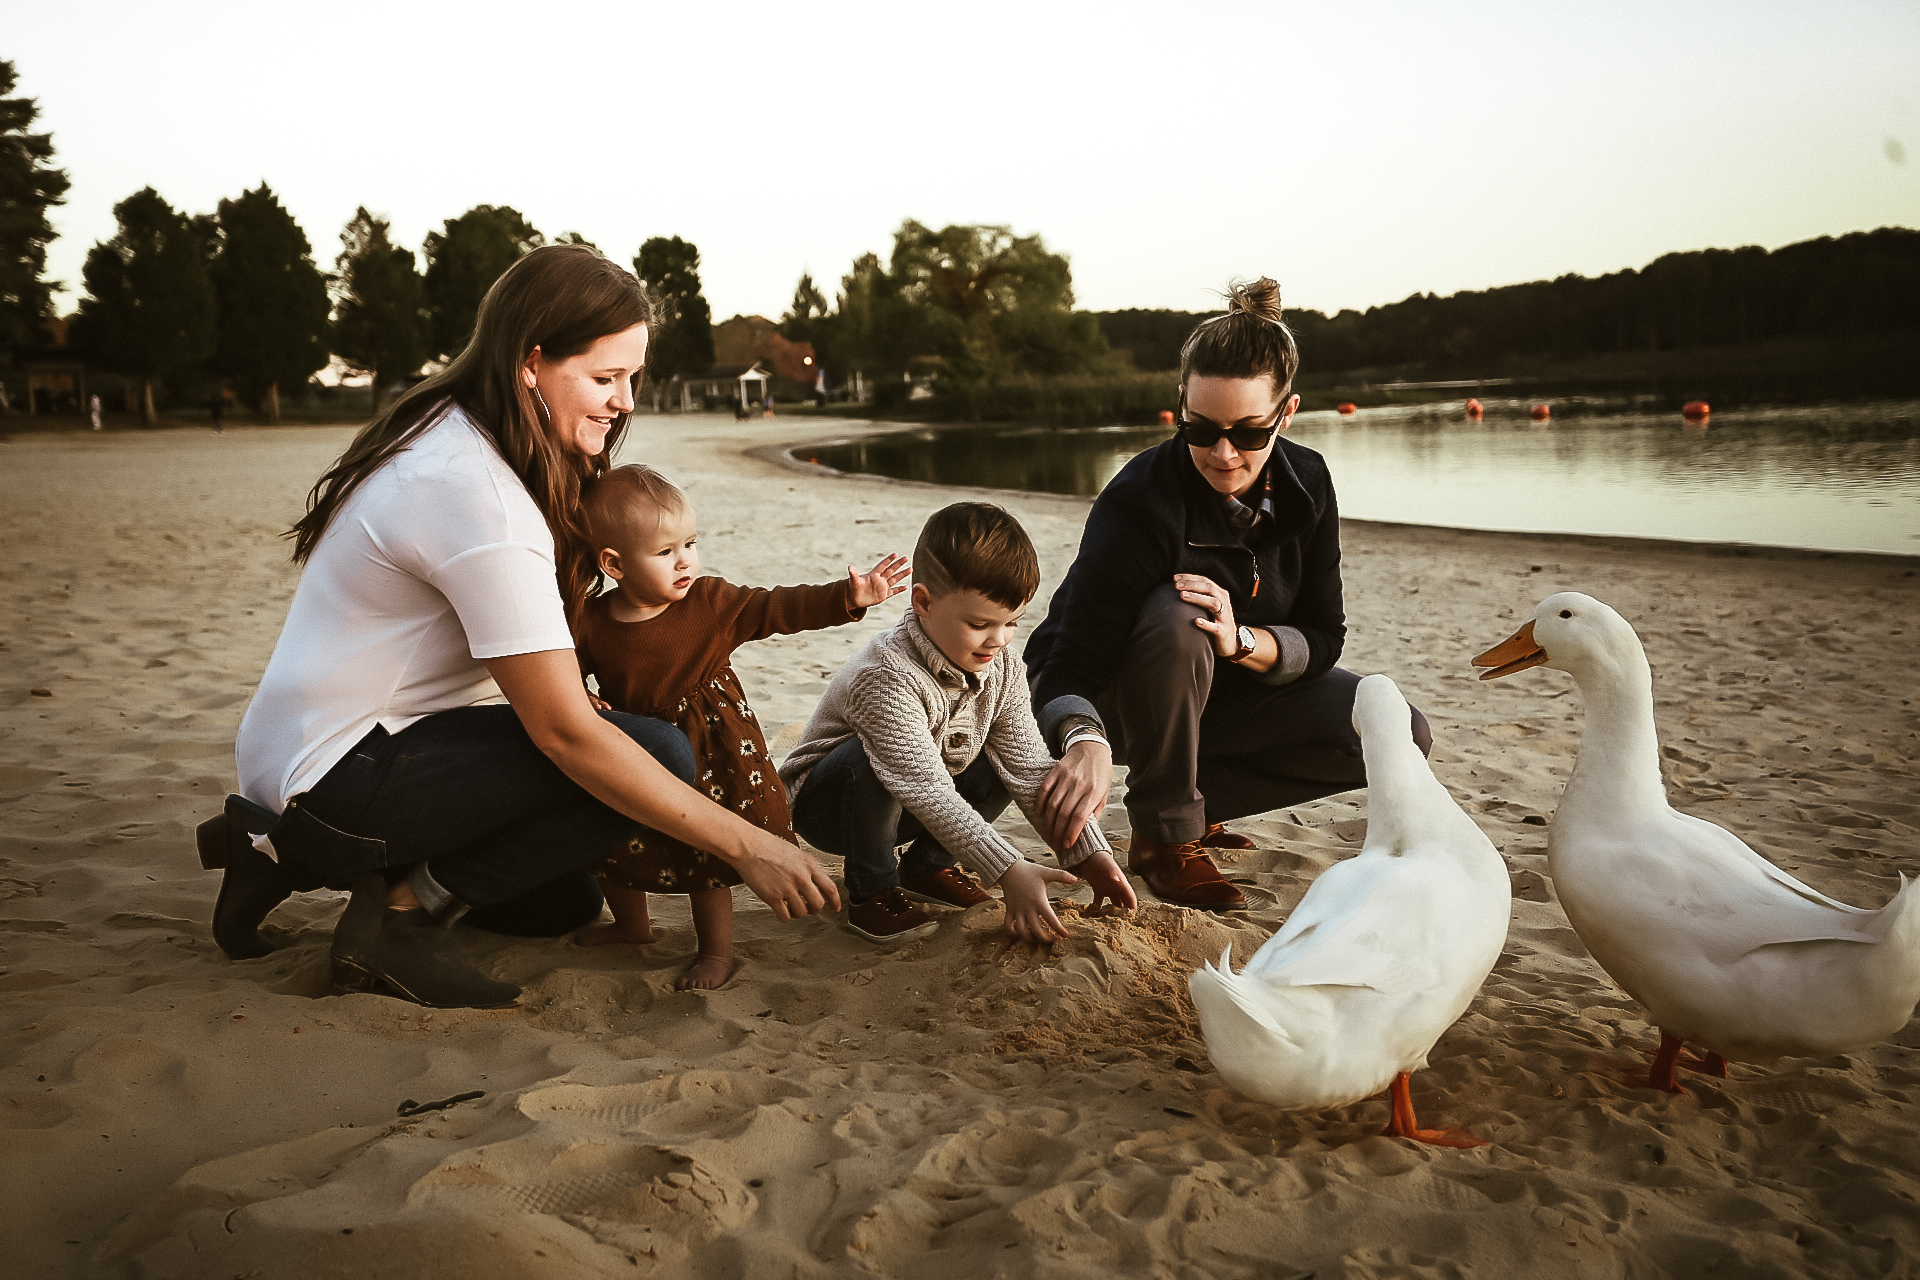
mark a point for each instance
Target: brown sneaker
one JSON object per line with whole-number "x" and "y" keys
{"x": 1182, "y": 874}
{"x": 1218, "y": 837}
{"x": 889, "y": 917}
{"x": 947, "y": 887}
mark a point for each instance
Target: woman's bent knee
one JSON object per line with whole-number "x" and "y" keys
{"x": 658, "y": 739}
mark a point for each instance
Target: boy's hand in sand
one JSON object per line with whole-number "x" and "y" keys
{"x": 1104, "y": 877}
{"x": 880, "y": 583}
{"x": 1030, "y": 916}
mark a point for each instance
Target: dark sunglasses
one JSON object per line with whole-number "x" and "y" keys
{"x": 1247, "y": 438}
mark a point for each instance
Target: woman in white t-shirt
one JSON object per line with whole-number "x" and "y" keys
{"x": 421, "y": 729}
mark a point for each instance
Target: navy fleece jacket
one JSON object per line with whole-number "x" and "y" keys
{"x": 1159, "y": 517}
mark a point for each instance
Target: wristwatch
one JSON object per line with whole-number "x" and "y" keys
{"x": 1245, "y": 636}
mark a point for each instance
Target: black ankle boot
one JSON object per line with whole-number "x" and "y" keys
{"x": 253, "y": 883}
{"x": 407, "y": 954}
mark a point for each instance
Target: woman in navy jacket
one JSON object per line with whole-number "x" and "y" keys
{"x": 1195, "y": 637}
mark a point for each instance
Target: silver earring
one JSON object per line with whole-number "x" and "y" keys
{"x": 535, "y": 388}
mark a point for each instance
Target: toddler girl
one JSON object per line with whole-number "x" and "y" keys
{"x": 660, "y": 643}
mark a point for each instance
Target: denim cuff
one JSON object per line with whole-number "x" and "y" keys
{"x": 1056, "y": 713}
{"x": 433, "y": 895}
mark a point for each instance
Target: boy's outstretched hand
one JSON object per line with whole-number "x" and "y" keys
{"x": 880, "y": 583}
{"x": 1030, "y": 916}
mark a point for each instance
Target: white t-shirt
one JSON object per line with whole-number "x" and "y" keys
{"x": 440, "y": 559}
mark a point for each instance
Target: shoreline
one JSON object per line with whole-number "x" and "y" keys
{"x": 782, "y": 455}
{"x": 951, "y": 1107}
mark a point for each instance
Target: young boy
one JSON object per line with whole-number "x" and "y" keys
{"x": 926, "y": 734}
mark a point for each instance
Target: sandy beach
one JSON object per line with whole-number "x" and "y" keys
{"x": 950, "y": 1108}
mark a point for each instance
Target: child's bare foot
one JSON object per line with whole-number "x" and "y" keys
{"x": 708, "y": 973}
{"x": 611, "y": 931}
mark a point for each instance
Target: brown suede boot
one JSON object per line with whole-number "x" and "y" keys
{"x": 1182, "y": 874}
{"x": 1218, "y": 837}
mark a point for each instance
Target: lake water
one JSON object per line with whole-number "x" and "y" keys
{"x": 1843, "y": 477}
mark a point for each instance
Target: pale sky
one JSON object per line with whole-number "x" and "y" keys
{"x": 1358, "y": 152}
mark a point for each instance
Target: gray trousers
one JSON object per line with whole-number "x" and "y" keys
{"x": 1205, "y": 741}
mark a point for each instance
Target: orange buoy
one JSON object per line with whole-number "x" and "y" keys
{"x": 1166, "y": 417}
{"x": 1346, "y": 409}
{"x": 1541, "y": 413}
{"x": 1695, "y": 410}
{"x": 1473, "y": 409}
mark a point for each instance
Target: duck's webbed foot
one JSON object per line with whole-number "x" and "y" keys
{"x": 1672, "y": 1054}
{"x": 1404, "y": 1125}
{"x": 1711, "y": 1065}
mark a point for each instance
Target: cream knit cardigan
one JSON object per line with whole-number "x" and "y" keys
{"x": 922, "y": 721}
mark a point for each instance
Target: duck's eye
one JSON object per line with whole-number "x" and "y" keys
{"x": 1566, "y": 613}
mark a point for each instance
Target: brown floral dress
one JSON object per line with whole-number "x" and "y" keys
{"x": 677, "y": 667}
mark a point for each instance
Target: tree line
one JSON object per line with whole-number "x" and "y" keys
{"x": 178, "y": 302}
{"x": 964, "y": 303}
{"x": 1856, "y": 285}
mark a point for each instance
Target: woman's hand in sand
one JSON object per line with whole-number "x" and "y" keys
{"x": 1104, "y": 877}
{"x": 784, "y": 877}
{"x": 1074, "y": 792}
{"x": 880, "y": 583}
{"x": 1196, "y": 589}
{"x": 1030, "y": 916}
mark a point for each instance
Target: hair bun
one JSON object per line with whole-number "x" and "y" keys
{"x": 1261, "y": 299}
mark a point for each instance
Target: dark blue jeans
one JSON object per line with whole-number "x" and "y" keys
{"x": 497, "y": 823}
{"x": 843, "y": 808}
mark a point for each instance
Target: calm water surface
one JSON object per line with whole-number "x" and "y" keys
{"x": 1836, "y": 476}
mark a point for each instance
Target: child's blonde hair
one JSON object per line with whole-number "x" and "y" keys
{"x": 627, "y": 500}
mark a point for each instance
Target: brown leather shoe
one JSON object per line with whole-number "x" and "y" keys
{"x": 889, "y": 917}
{"x": 947, "y": 887}
{"x": 1218, "y": 837}
{"x": 1182, "y": 874}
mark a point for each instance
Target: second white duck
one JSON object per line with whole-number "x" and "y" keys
{"x": 1724, "y": 949}
{"x": 1384, "y": 953}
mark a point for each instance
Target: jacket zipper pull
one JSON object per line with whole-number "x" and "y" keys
{"x": 1256, "y": 580}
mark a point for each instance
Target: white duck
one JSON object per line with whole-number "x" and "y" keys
{"x": 1383, "y": 954}
{"x": 1723, "y": 948}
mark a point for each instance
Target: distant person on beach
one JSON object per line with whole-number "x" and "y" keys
{"x": 1195, "y": 635}
{"x": 93, "y": 411}
{"x": 422, "y": 726}
{"x": 925, "y": 735}
{"x": 660, "y": 643}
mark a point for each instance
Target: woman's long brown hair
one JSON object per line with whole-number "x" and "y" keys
{"x": 561, "y": 298}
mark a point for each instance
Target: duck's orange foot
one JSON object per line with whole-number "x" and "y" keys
{"x": 1711, "y": 1065}
{"x": 1660, "y": 1075}
{"x": 1457, "y": 1138}
{"x": 1403, "y": 1124}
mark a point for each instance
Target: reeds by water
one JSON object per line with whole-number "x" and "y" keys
{"x": 1094, "y": 400}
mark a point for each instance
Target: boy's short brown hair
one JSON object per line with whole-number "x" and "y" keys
{"x": 626, "y": 500}
{"x": 976, "y": 546}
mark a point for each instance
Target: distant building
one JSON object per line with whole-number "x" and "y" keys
{"x": 749, "y": 340}
{"x": 742, "y": 386}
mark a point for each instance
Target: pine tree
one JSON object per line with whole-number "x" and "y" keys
{"x": 682, "y": 344}
{"x": 272, "y": 299}
{"x": 381, "y": 326}
{"x": 462, "y": 264}
{"x": 28, "y": 188}
{"x": 149, "y": 313}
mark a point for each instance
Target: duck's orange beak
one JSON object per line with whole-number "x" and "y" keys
{"x": 1516, "y": 653}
